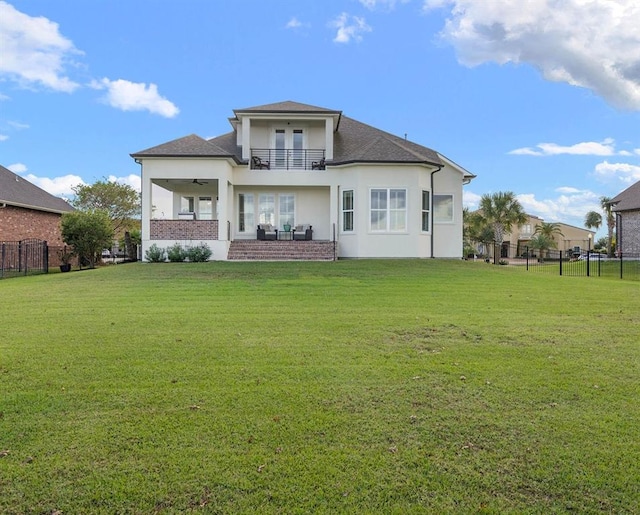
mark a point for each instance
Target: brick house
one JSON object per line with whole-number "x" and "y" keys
{"x": 27, "y": 211}
{"x": 626, "y": 206}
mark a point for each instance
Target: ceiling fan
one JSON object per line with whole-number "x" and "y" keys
{"x": 195, "y": 181}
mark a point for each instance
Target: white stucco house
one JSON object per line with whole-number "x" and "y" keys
{"x": 307, "y": 175}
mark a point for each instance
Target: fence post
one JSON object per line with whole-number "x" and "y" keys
{"x": 560, "y": 262}
{"x": 526, "y": 253}
{"x": 621, "y": 263}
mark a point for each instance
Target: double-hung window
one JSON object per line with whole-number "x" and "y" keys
{"x": 426, "y": 203}
{"x": 388, "y": 210}
{"x": 347, "y": 210}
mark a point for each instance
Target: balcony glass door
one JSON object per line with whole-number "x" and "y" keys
{"x": 289, "y": 148}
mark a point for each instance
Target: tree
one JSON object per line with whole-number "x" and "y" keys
{"x": 549, "y": 230}
{"x": 476, "y": 229}
{"x": 593, "y": 220}
{"x": 88, "y": 232}
{"x": 542, "y": 242}
{"x": 605, "y": 204}
{"x": 501, "y": 211}
{"x": 120, "y": 201}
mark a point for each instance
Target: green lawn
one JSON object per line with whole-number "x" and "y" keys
{"x": 355, "y": 386}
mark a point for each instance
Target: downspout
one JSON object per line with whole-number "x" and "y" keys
{"x": 432, "y": 224}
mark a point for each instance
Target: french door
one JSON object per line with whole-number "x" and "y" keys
{"x": 289, "y": 148}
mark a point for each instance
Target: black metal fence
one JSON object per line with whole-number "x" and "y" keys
{"x": 574, "y": 262}
{"x": 23, "y": 258}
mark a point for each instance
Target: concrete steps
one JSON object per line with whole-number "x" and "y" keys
{"x": 256, "y": 250}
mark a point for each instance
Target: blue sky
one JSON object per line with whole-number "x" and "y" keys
{"x": 540, "y": 98}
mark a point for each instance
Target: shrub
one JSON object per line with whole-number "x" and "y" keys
{"x": 154, "y": 254}
{"x": 199, "y": 253}
{"x": 176, "y": 253}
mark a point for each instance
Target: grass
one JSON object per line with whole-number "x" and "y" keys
{"x": 356, "y": 386}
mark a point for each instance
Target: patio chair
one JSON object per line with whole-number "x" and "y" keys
{"x": 303, "y": 233}
{"x": 318, "y": 165}
{"x": 267, "y": 232}
{"x": 258, "y": 164}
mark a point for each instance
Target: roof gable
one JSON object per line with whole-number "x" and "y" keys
{"x": 628, "y": 200}
{"x": 17, "y": 191}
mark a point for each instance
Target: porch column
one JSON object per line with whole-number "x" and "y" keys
{"x": 334, "y": 210}
{"x": 246, "y": 137}
{"x": 223, "y": 208}
{"x": 146, "y": 204}
{"x": 328, "y": 139}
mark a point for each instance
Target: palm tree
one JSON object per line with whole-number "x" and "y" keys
{"x": 605, "y": 204}
{"x": 550, "y": 230}
{"x": 593, "y": 220}
{"x": 501, "y": 211}
{"x": 542, "y": 242}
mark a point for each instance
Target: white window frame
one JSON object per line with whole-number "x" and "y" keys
{"x": 286, "y": 217}
{"x": 246, "y": 213}
{"x": 388, "y": 210}
{"x": 267, "y": 208}
{"x": 437, "y": 209}
{"x": 348, "y": 211}
{"x": 425, "y": 212}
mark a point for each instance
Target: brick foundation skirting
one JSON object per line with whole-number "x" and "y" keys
{"x": 184, "y": 229}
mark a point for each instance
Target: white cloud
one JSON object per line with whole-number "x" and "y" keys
{"x": 58, "y": 186}
{"x": 33, "y": 50}
{"x": 569, "y": 207}
{"x": 18, "y": 168}
{"x": 588, "y": 148}
{"x": 132, "y": 180}
{"x": 293, "y": 23}
{"x": 592, "y": 44}
{"x": 470, "y": 199}
{"x": 385, "y": 4}
{"x": 135, "y": 96}
{"x": 3, "y": 97}
{"x": 624, "y": 172}
{"x": 4, "y": 137}
{"x": 349, "y": 27}
{"x": 18, "y": 125}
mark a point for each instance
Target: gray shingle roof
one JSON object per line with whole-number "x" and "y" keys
{"x": 188, "y": 146}
{"x": 17, "y": 191}
{"x": 287, "y": 106}
{"x": 354, "y": 141}
{"x": 358, "y": 142}
{"x": 628, "y": 200}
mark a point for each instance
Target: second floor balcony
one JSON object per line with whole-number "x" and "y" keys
{"x": 287, "y": 159}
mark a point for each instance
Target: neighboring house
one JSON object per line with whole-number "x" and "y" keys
{"x": 28, "y": 212}
{"x": 290, "y": 164}
{"x": 516, "y": 242}
{"x": 626, "y": 206}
